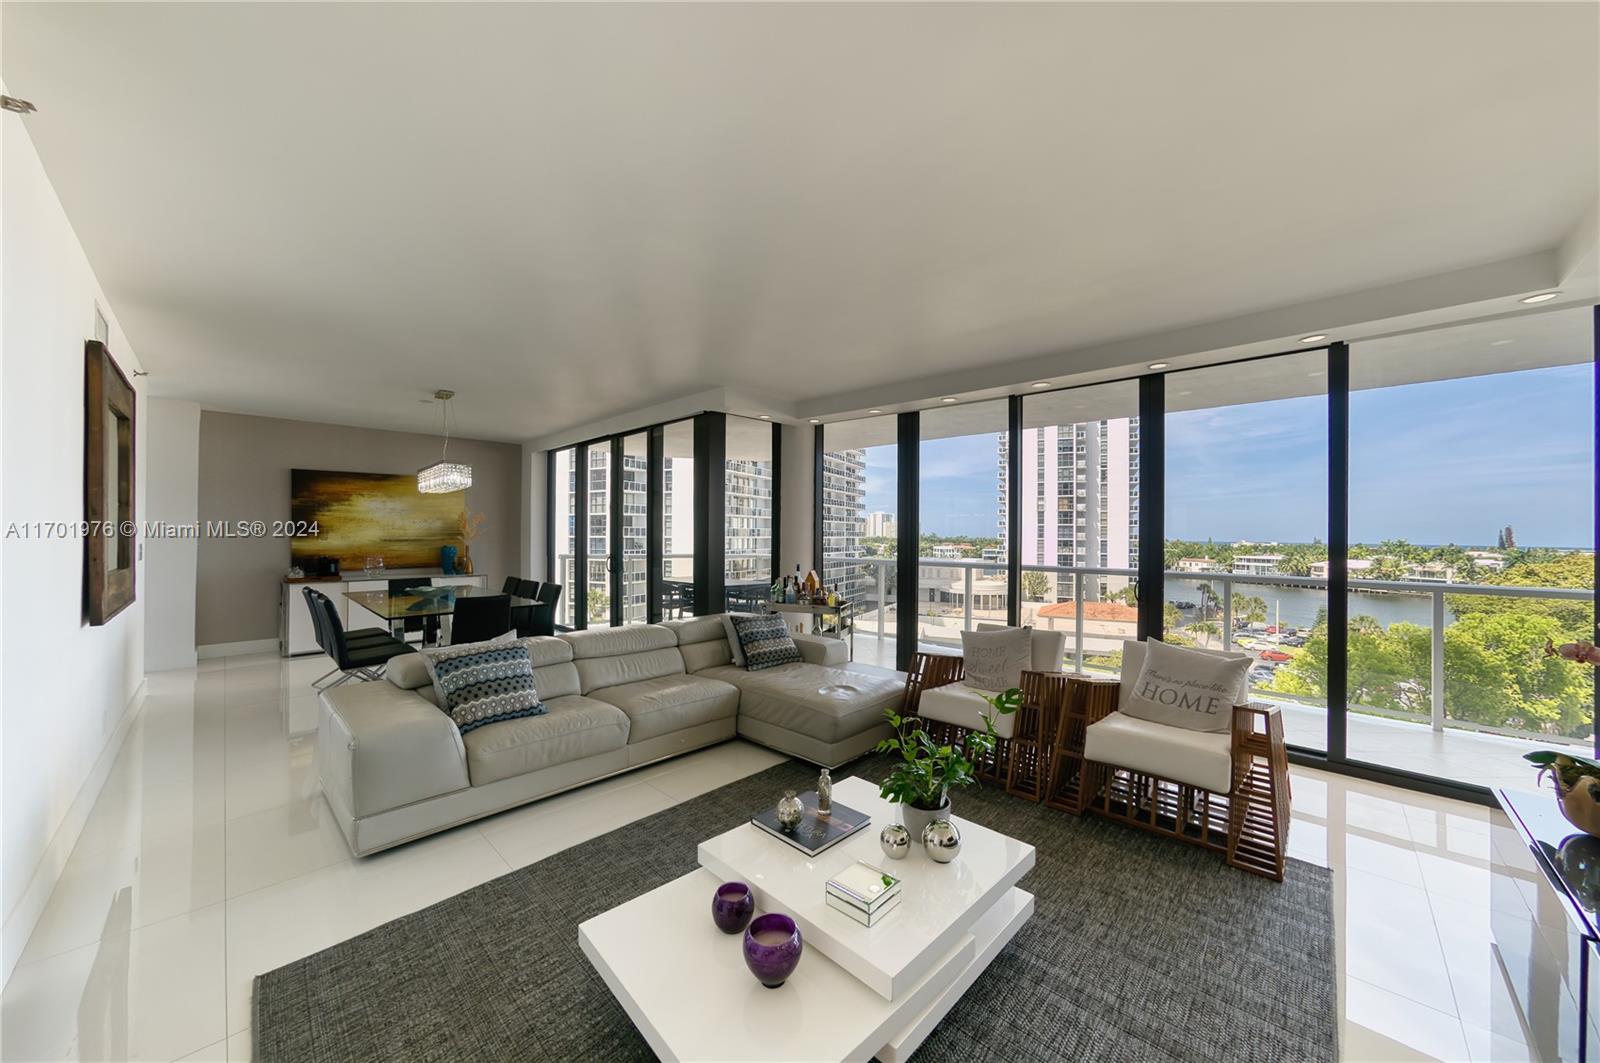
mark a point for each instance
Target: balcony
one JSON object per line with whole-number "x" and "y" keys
{"x": 1416, "y": 729}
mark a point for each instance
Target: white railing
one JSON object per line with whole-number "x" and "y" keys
{"x": 1224, "y": 583}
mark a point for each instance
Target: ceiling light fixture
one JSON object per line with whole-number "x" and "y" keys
{"x": 1542, "y": 297}
{"x": 1041, "y": 383}
{"x": 443, "y": 476}
{"x": 874, "y": 411}
{"x": 1501, "y": 343}
{"x": 1317, "y": 337}
{"x": 947, "y": 399}
{"x": 765, "y": 417}
{"x": 816, "y": 420}
{"x": 1158, "y": 365}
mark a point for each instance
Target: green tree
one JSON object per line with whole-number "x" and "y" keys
{"x": 1249, "y": 609}
{"x": 1035, "y": 586}
{"x": 599, "y": 605}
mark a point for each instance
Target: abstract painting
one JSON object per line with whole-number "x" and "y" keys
{"x": 371, "y": 514}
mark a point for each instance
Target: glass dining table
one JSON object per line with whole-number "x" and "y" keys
{"x": 429, "y": 604}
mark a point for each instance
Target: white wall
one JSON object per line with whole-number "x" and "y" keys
{"x": 172, "y": 454}
{"x": 66, "y": 689}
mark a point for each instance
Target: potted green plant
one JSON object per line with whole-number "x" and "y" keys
{"x": 921, "y": 780}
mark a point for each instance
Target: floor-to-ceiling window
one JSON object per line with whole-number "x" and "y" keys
{"x": 678, "y": 520}
{"x": 563, "y": 530}
{"x": 634, "y": 476}
{"x": 1078, "y": 508}
{"x": 1472, "y": 538}
{"x": 860, "y": 480}
{"x": 597, "y": 607}
{"x": 1246, "y": 525}
{"x": 749, "y": 513}
{"x": 964, "y": 553}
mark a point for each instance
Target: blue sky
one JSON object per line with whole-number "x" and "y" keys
{"x": 1445, "y": 461}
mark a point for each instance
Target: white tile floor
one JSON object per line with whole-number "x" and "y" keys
{"x": 210, "y": 857}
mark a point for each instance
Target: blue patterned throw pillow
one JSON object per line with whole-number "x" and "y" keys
{"x": 484, "y": 682}
{"x": 764, "y": 640}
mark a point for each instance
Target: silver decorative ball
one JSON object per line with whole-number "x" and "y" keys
{"x": 896, "y": 841}
{"x": 942, "y": 840}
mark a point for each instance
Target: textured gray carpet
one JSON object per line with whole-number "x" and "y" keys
{"x": 1139, "y": 949}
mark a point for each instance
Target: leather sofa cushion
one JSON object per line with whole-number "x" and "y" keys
{"x": 1199, "y": 758}
{"x": 573, "y": 728}
{"x": 827, "y": 704}
{"x": 385, "y": 747}
{"x": 665, "y": 704}
{"x": 695, "y": 629}
{"x": 612, "y": 641}
{"x": 960, "y": 704}
{"x": 597, "y": 673}
{"x": 703, "y": 640}
{"x": 553, "y": 673}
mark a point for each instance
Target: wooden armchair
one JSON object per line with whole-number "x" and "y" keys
{"x": 1021, "y": 754}
{"x": 1225, "y": 792}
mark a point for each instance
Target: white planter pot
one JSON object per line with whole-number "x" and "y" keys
{"x": 914, "y": 819}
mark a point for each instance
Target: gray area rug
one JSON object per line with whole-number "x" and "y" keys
{"x": 1139, "y": 949}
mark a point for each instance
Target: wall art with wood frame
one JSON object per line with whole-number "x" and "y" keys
{"x": 109, "y": 430}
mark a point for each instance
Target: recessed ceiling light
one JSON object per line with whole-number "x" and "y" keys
{"x": 765, "y": 417}
{"x": 816, "y": 420}
{"x": 1542, "y": 297}
{"x": 947, "y": 399}
{"x": 1501, "y": 343}
{"x": 1314, "y": 338}
{"x": 1041, "y": 383}
{"x": 1158, "y": 365}
{"x": 874, "y": 411}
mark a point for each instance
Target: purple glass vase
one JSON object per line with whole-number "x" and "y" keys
{"x": 772, "y": 949}
{"x": 732, "y": 906}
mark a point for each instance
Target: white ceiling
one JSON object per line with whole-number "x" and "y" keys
{"x": 565, "y": 212}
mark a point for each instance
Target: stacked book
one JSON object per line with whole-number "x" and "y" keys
{"x": 863, "y": 892}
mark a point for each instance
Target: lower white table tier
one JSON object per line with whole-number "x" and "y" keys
{"x": 685, "y": 985}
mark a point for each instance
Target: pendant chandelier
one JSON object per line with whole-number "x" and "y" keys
{"x": 444, "y": 476}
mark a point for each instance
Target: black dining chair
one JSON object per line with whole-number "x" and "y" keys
{"x": 363, "y": 659}
{"x": 480, "y": 618}
{"x": 427, "y": 626}
{"x": 510, "y": 585}
{"x": 522, "y": 616}
{"x": 319, "y": 631}
{"x": 544, "y": 614}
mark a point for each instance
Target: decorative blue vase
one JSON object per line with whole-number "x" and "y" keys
{"x": 447, "y": 560}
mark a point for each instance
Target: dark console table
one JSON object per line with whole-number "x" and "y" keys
{"x": 1555, "y": 871}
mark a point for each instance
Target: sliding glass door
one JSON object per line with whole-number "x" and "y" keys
{"x": 858, "y": 502}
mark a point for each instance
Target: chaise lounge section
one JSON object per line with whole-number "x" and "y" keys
{"x": 394, "y": 767}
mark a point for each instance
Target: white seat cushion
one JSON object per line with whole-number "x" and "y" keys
{"x": 1199, "y": 758}
{"x": 960, "y": 704}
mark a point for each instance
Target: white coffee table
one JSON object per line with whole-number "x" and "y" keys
{"x": 858, "y": 991}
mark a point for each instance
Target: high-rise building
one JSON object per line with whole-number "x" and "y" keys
{"x": 1079, "y": 499}
{"x": 748, "y": 488}
{"x": 880, "y": 525}
{"x": 635, "y": 510}
{"x": 844, "y": 518}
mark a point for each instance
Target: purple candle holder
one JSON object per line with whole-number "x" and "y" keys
{"x": 732, "y": 906}
{"x": 772, "y": 949}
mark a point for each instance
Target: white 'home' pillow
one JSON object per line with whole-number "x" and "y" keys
{"x": 1184, "y": 688}
{"x": 995, "y": 660}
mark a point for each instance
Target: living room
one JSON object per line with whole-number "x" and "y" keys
{"x": 1108, "y": 490}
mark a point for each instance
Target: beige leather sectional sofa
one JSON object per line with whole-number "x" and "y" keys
{"x": 394, "y": 767}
